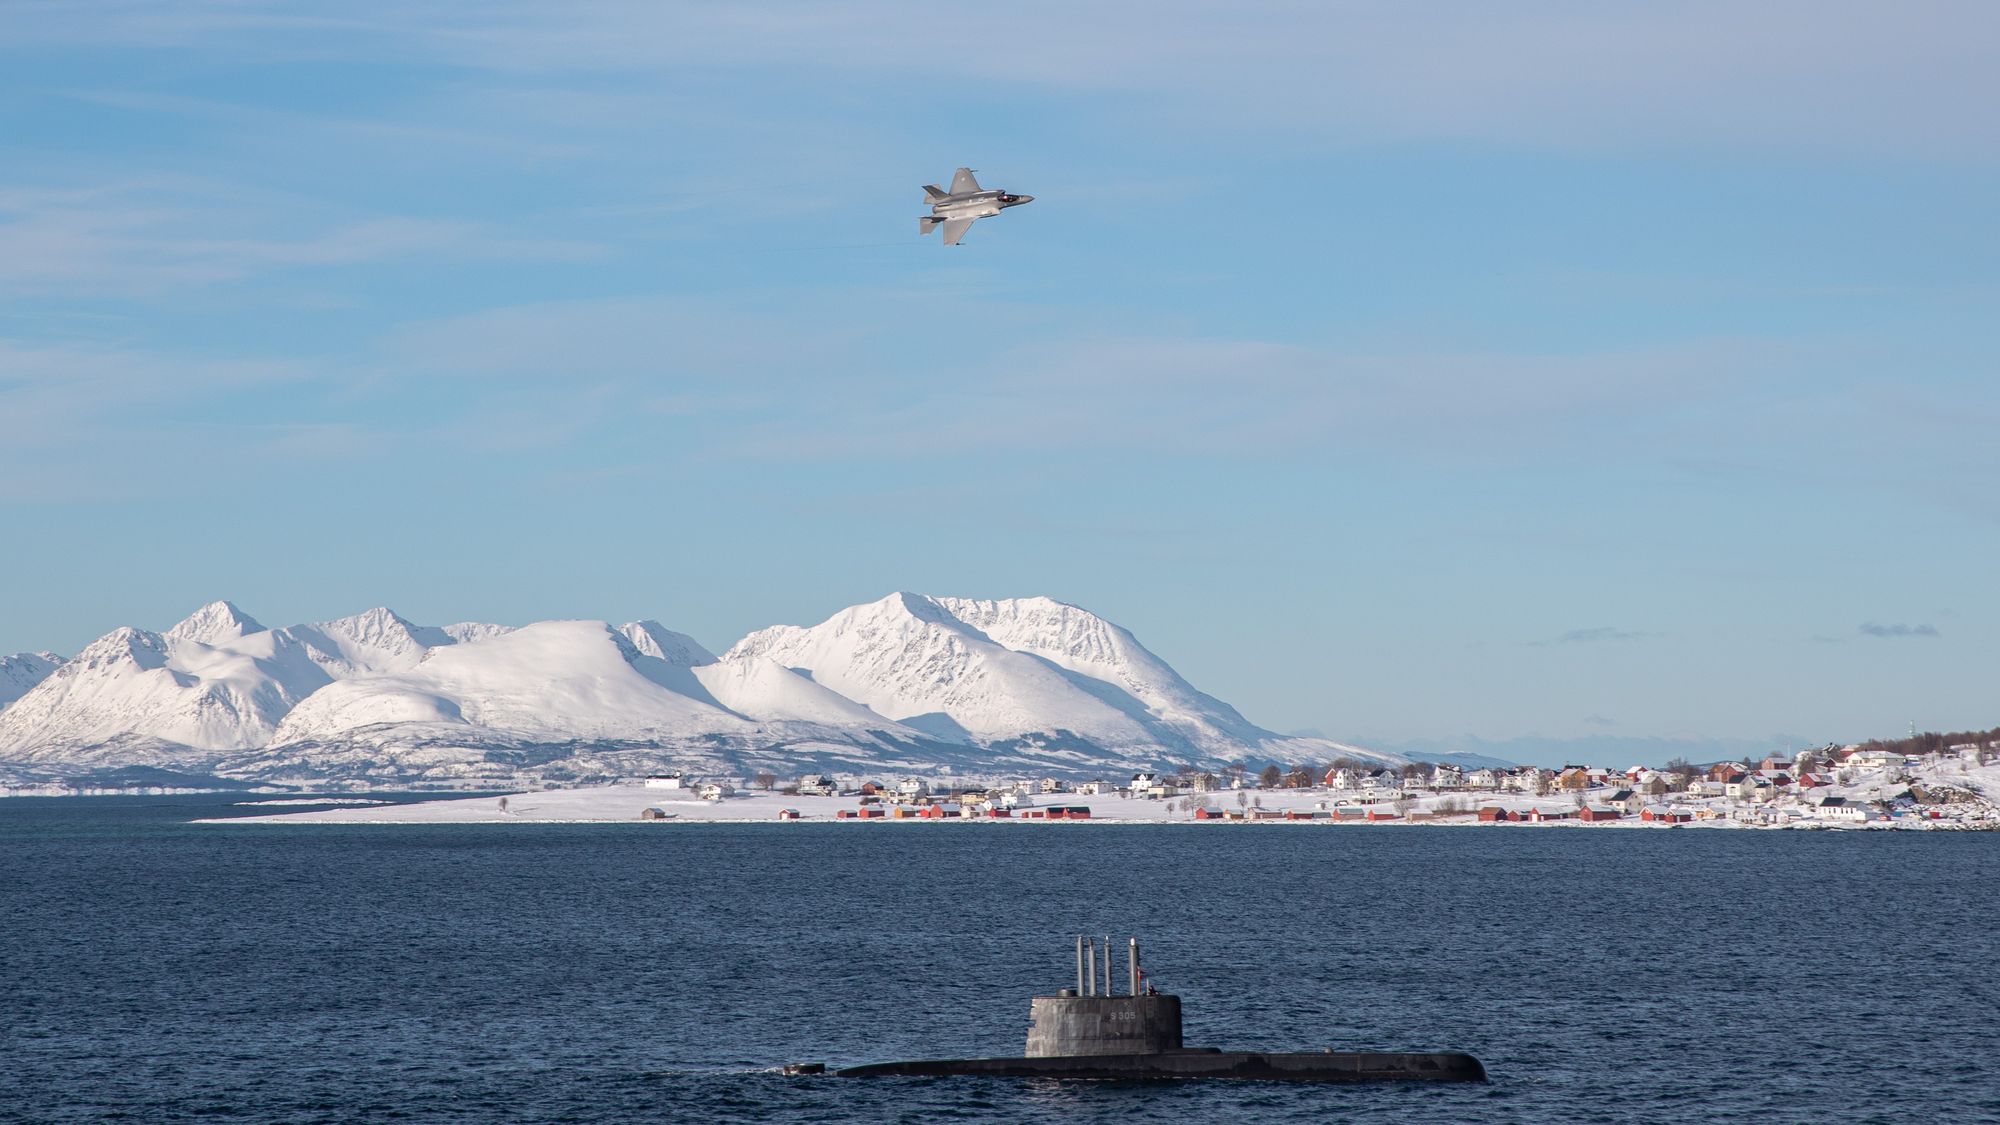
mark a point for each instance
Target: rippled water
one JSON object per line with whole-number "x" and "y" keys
{"x": 161, "y": 971}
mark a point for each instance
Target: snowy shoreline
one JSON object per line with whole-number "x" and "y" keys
{"x": 626, "y": 804}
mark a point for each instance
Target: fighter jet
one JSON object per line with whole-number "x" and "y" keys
{"x": 957, "y": 209}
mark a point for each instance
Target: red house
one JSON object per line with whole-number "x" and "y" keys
{"x": 1592, "y": 816}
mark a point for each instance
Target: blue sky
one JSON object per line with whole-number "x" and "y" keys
{"x": 1400, "y": 371}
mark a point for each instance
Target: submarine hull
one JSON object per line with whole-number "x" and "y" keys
{"x": 1256, "y": 1066}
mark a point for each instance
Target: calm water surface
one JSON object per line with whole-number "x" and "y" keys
{"x": 160, "y": 971}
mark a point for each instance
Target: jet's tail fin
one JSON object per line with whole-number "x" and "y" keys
{"x": 933, "y": 193}
{"x": 928, "y": 223}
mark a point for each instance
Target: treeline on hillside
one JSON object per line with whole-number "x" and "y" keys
{"x": 1275, "y": 776}
{"x": 1308, "y": 776}
{"x": 1931, "y": 742}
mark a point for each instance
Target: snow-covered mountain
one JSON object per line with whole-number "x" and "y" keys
{"x": 1092, "y": 647}
{"x": 906, "y": 656}
{"x": 215, "y": 682}
{"x": 548, "y": 682}
{"x": 908, "y": 683}
{"x": 22, "y": 671}
{"x": 1025, "y": 670}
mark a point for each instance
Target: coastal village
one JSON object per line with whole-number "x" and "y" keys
{"x": 1850, "y": 787}
{"x": 1832, "y": 787}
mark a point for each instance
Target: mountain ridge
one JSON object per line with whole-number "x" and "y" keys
{"x": 907, "y": 683}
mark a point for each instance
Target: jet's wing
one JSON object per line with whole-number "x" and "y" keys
{"x": 962, "y": 181}
{"x": 954, "y": 229}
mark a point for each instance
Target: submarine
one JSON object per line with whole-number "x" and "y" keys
{"x": 1081, "y": 1033}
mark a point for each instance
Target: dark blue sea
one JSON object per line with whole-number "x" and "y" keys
{"x": 161, "y": 971}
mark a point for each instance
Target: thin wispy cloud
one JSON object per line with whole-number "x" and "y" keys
{"x": 95, "y": 421}
{"x": 1601, "y": 634}
{"x": 1897, "y": 629}
{"x": 147, "y": 238}
{"x": 1267, "y": 398}
{"x": 1843, "y": 74}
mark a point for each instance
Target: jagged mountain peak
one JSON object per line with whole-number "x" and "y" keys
{"x": 123, "y": 644}
{"x": 995, "y": 668}
{"x": 653, "y": 639}
{"x": 466, "y": 632}
{"x": 377, "y": 619}
{"x": 908, "y": 657}
{"x": 1085, "y": 643}
{"x": 20, "y": 672}
{"x": 384, "y": 629}
{"x": 967, "y": 684}
{"x": 213, "y": 623}
{"x": 921, "y": 606}
{"x": 1050, "y": 623}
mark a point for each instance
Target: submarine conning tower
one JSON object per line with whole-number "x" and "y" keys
{"x": 1084, "y": 1033}
{"x": 1085, "y": 1021}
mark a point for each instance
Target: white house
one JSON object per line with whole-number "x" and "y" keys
{"x": 1447, "y": 776}
{"x": 664, "y": 781}
{"x": 1876, "y": 760}
{"x": 715, "y": 791}
{"x": 1841, "y": 810}
{"x": 913, "y": 787}
{"x": 1482, "y": 779}
{"x": 1376, "y": 779}
{"x": 818, "y": 785}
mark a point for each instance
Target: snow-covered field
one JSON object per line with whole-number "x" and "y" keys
{"x": 318, "y": 801}
{"x": 1959, "y": 795}
{"x": 620, "y": 803}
